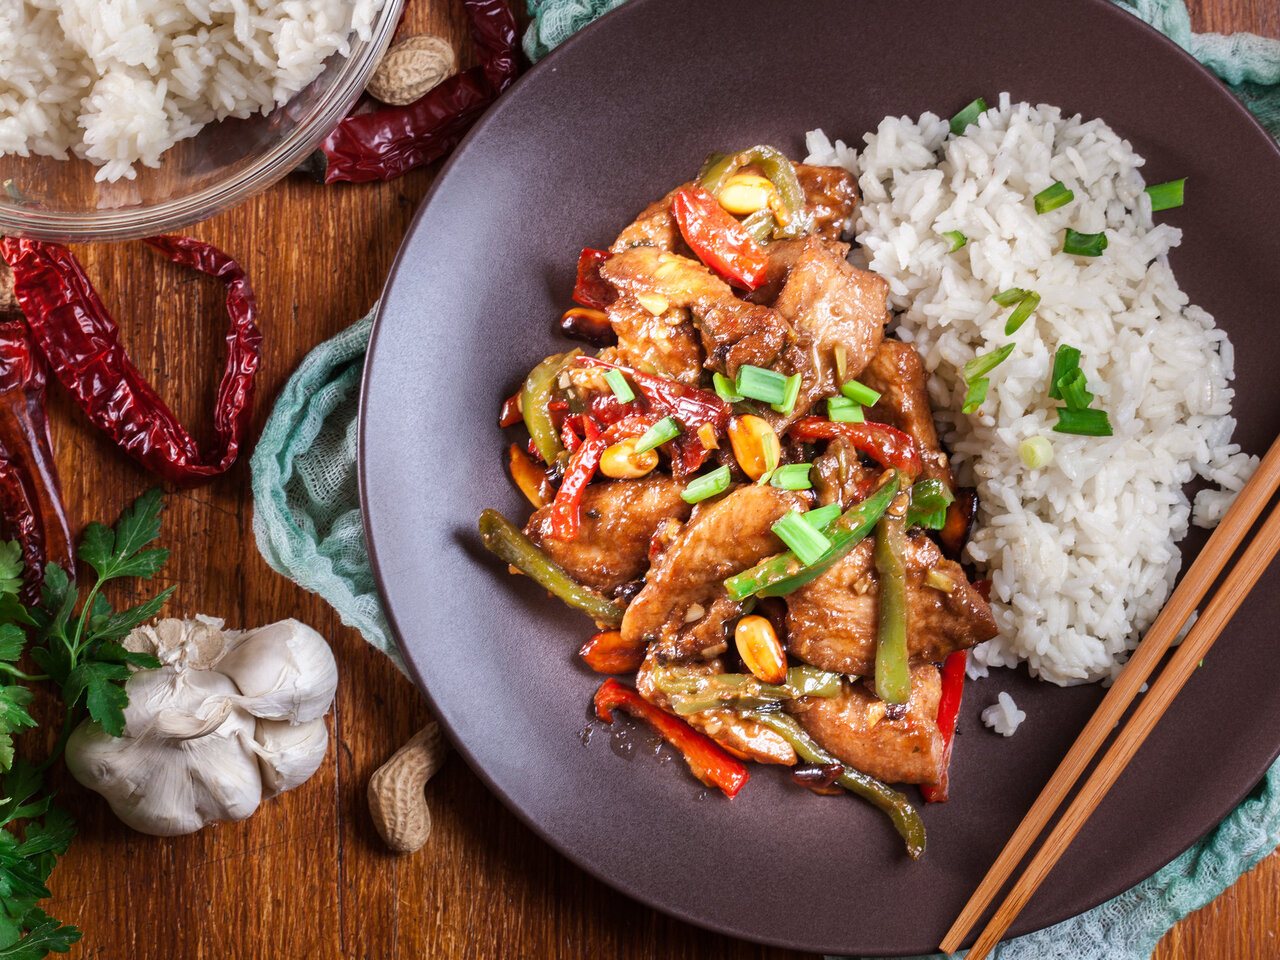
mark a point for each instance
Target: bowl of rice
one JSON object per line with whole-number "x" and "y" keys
{"x": 128, "y": 120}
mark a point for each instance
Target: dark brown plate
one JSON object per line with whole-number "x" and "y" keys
{"x": 612, "y": 120}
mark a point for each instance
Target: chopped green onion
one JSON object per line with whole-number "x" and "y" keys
{"x": 1021, "y": 312}
{"x": 970, "y": 114}
{"x": 844, "y": 410}
{"x": 758, "y": 383}
{"x": 805, "y": 542}
{"x": 861, "y": 393}
{"x": 1064, "y": 361}
{"x": 1036, "y": 452}
{"x": 984, "y": 363}
{"x": 957, "y": 240}
{"x": 1051, "y": 198}
{"x": 821, "y": 517}
{"x": 792, "y": 476}
{"x": 1071, "y": 387}
{"x": 1084, "y": 423}
{"x": 1007, "y": 298}
{"x": 789, "y": 397}
{"x": 618, "y": 384}
{"x": 724, "y": 388}
{"x": 929, "y": 501}
{"x": 1084, "y": 244}
{"x": 1166, "y": 196}
{"x": 770, "y": 465}
{"x": 707, "y": 485}
{"x": 977, "y": 393}
{"x": 665, "y": 429}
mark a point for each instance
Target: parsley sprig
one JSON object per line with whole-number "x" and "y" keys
{"x": 78, "y": 647}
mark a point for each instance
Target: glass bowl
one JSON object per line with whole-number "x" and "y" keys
{"x": 226, "y": 163}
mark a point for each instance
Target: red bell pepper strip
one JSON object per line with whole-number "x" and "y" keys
{"x": 607, "y": 652}
{"x": 593, "y": 290}
{"x": 707, "y": 760}
{"x": 566, "y": 508}
{"x": 948, "y": 710}
{"x": 889, "y": 446}
{"x": 719, "y": 240}
{"x": 568, "y": 436}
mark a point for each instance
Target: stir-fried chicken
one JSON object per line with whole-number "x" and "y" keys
{"x": 655, "y": 227}
{"x": 830, "y": 196}
{"x": 683, "y": 607}
{"x": 897, "y": 372}
{"x": 889, "y": 743}
{"x": 666, "y": 344}
{"x": 831, "y": 622}
{"x": 618, "y": 520}
{"x": 840, "y": 477}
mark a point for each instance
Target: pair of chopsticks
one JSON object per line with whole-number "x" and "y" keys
{"x": 1249, "y": 505}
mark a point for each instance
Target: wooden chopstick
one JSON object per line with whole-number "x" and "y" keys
{"x": 1181, "y": 666}
{"x": 1239, "y": 519}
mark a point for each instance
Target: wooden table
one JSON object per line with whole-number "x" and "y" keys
{"x": 307, "y": 876}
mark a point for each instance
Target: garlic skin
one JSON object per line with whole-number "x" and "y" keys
{"x": 229, "y": 719}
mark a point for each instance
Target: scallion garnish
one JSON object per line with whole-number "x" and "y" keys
{"x": 1084, "y": 244}
{"x": 1064, "y": 361}
{"x": 984, "y": 363}
{"x": 976, "y": 395}
{"x": 791, "y": 393}
{"x": 1007, "y": 298}
{"x": 1085, "y": 423}
{"x": 822, "y": 517}
{"x": 956, "y": 239}
{"x": 970, "y": 114}
{"x": 929, "y": 501}
{"x": 1074, "y": 395}
{"x": 792, "y": 476}
{"x": 1036, "y": 452}
{"x": 768, "y": 386}
{"x": 1021, "y": 312}
{"x": 861, "y": 393}
{"x": 807, "y": 543}
{"x": 707, "y": 485}
{"x": 618, "y": 384}
{"x": 1166, "y": 196}
{"x": 844, "y": 410}
{"x": 665, "y": 429}
{"x": 1053, "y": 197}
{"x": 724, "y": 388}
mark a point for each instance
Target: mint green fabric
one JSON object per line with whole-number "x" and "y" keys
{"x": 308, "y": 527}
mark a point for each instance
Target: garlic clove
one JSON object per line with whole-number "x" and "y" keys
{"x": 196, "y": 643}
{"x": 284, "y": 671}
{"x": 289, "y": 753}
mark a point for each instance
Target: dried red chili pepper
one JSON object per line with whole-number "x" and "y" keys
{"x": 566, "y": 508}
{"x": 81, "y": 342}
{"x": 386, "y": 143}
{"x": 691, "y": 406}
{"x": 948, "y": 710}
{"x": 592, "y": 290}
{"x": 30, "y": 494}
{"x": 891, "y": 447}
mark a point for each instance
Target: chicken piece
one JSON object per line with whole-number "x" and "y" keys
{"x": 683, "y": 606}
{"x": 888, "y": 743}
{"x": 830, "y": 196}
{"x": 618, "y": 519}
{"x": 655, "y": 227}
{"x": 667, "y": 344}
{"x": 743, "y": 738}
{"x": 831, "y": 621}
{"x": 897, "y": 372}
{"x": 734, "y": 331}
{"x": 840, "y": 477}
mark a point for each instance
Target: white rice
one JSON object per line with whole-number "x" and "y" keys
{"x": 118, "y": 82}
{"x": 1082, "y": 553}
{"x": 1003, "y": 716}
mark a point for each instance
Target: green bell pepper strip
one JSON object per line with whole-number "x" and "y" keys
{"x": 893, "y": 675}
{"x": 691, "y": 692}
{"x": 775, "y": 165}
{"x": 533, "y": 402}
{"x": 904, "y": 816}
{"x": 783, "y": 572}
{"x": 508, "y": 542}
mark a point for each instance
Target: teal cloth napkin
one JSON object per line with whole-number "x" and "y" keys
{"x": 308, "y": 526}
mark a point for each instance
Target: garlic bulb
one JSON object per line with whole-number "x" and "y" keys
{"x": 229, "y": 718}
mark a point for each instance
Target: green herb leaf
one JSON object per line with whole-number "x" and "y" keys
{"x": 115, "y": 552}
{"x": 102, "y": 686}
{"x": 44, "y": 935}
{"x": 118, "y": 625}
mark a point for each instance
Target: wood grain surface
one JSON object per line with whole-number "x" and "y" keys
{"x": 307, "y": 876}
